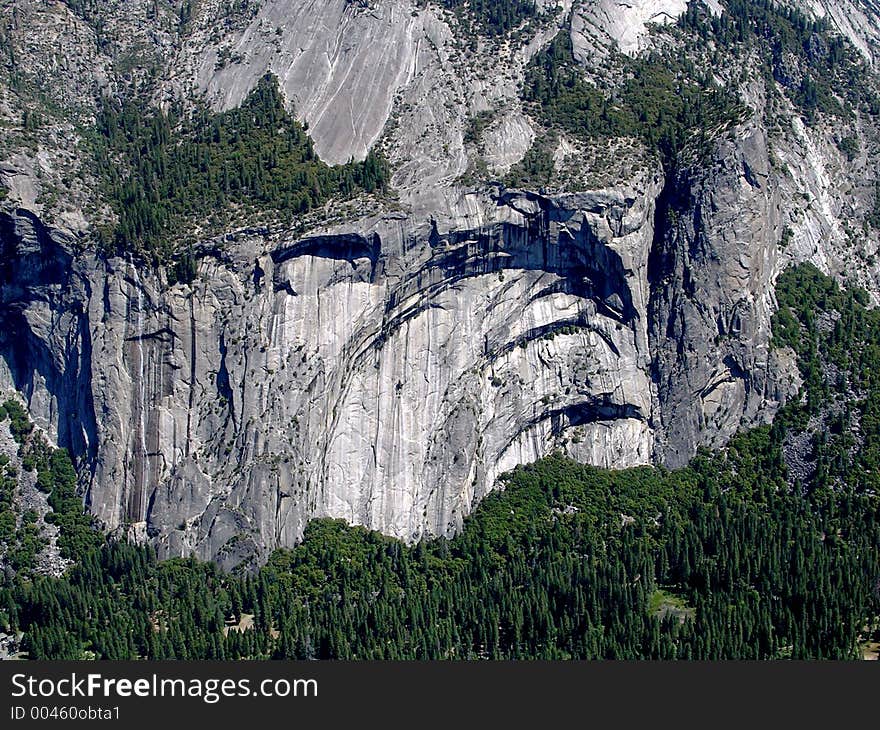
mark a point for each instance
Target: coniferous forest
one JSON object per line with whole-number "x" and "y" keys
{"x": 163, "y": 169}
{"x": 672, "y": 101}
{"x": 493, "y": 17}
{"x": 739, "y": 555}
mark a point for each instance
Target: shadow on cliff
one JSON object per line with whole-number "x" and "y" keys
{"x": 45, "y": 339}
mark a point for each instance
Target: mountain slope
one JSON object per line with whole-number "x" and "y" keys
{"x": 565, "y": 255}
{"x": 741, "y": 555}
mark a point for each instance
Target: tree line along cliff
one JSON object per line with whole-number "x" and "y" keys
{"x": 737, "y": 556}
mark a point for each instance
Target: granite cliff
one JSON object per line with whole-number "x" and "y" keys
{"x": 386, "y": 361}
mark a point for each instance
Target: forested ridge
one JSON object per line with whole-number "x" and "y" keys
{"x": 817, "y": 69}
{"x": 665, "y": 101}
{"x": 671, "y": 97}
{"x": 162, "y": 170}
{"x": 20, "y": 536}
{"x": 493, "y": 17}
{"x": 734, "y": 556}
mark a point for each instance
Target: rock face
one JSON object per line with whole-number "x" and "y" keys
{"x": 394, "y": 72}
{"x": 623, "y": 24}
{"x": 387, "y": 369}
{"x": 385, "y": 373}
{"x": 342, "y": 82}
{"x": 858, "y": 21}
{"x": 712, "y": 276}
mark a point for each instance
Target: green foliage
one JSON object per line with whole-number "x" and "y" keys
{"x": 493, "y": 17}
{"x": 19, "y": 423}
{"x": 837, "y": 340}
{"x": 93, "y": 12}
{"x": 704, "y": 565}
{"x": 76, "y": 536}
{"x": 815, "y": 67}
{"x": 476, "y": 125}
{"x": 84, "y": 8}
{"x": 183, "y": 268}
{"x": 849, "y": 145}
{"x": 161, "y": 169}
{"x": 731, "y": 557}
{"x": 664, "y": 101}
{"x": 56, "y": 476}
{"x": 874, "y": 215}
{"x": 8, "y": 483}
{"x": 19, "y": 536}
{"x": 537, "y": 168}
{"x": 671, "y": 100}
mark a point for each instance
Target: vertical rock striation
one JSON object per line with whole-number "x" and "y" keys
{"x": 385, "y": 373}
{"x": 387, "y": 370}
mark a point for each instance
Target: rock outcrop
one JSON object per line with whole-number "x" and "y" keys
{"x": 603, "y": 25}
{"x": 712, "y": 275}
{"x": 384, "y": 373}
{"x": 387, "y": 368}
